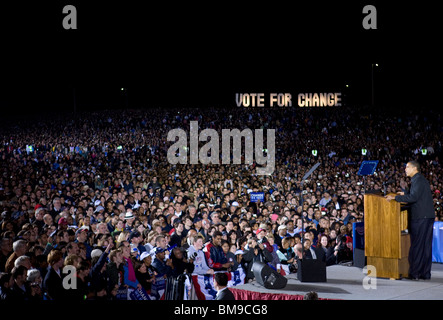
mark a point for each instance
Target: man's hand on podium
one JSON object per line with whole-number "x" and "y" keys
{"x": 392, "y": 197}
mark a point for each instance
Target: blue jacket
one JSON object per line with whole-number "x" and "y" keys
{"x": 215, "y": 257}
{"x": 161, "y": 267}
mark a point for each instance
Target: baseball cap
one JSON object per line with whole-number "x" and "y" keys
{"x": 197, "y": 219}
{"x": 96, "y": 253}
{"x": 134, "y": 249}
{"x": 159, "y": 250}
{"x": 81, "y": 229}
{"x": 259, "y": 230}
{"x": 99, "y": 208}
{"x": 62, "y": 221}
{"x": 133, "y": 234}
{"x": 144, "y": 255}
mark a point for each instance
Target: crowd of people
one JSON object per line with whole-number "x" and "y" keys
{"x": 89, "y": 199}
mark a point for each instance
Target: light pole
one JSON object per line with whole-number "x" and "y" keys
{"x": 125, "y": 93}
{"x": 74, "y": 99}
{"x": 372, "y": 81}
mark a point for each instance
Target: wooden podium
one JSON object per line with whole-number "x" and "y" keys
{"x": 386, "y": 247}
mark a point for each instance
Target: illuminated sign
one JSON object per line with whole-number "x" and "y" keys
{"x": 322, "y": 99}
{"x": 319, "y": 99}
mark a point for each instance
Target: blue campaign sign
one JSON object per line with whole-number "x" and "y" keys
{"x": 139, "y": 294}
{"x": 257, "y": 196}
{"x": 367, "y": 168}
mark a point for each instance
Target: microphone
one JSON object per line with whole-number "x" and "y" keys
{"x": 385, "y": 184}
{"x": 388, "y": 182}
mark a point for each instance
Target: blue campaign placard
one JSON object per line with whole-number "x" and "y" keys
{"x": 367, "y": 168}
{"x": 257, "y": 196}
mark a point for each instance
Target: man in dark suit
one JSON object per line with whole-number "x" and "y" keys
{"x": 221, "y": 283}
{"x": 421, "y": 222}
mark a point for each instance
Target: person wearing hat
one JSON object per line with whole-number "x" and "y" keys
{"x": 233, "y": 207}
{"x": 280, "y": 234}
{"x": 81, "y": 236}
{"x": 260, "y": 233}
{"x": 146, "y": 258}
{"x": 98, "y": 275}
{"x": 135, "y": 238}
{"x": 129, "y": 220}
{"x": 99, "y": 209}
{"x": 62, "y": 223}
{"x": 135, "y": 254}
{"x": 287, "y": 256}
{"x": 198, "y": 226}
{"x": 163, "y": 268}
{"x": 144, "y": 271}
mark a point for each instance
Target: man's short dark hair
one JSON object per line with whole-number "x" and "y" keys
{"x": 415, "y": 164}
{"x": 312, "y": 295}
{"x": 18, "y": 271}
{"x": 221, "y": 278}
{"x": 216, "y": 234}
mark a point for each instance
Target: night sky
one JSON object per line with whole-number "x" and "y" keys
{"x": 181, "y": 56}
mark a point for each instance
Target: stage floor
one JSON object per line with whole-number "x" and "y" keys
{"x": 346, "y": 282}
